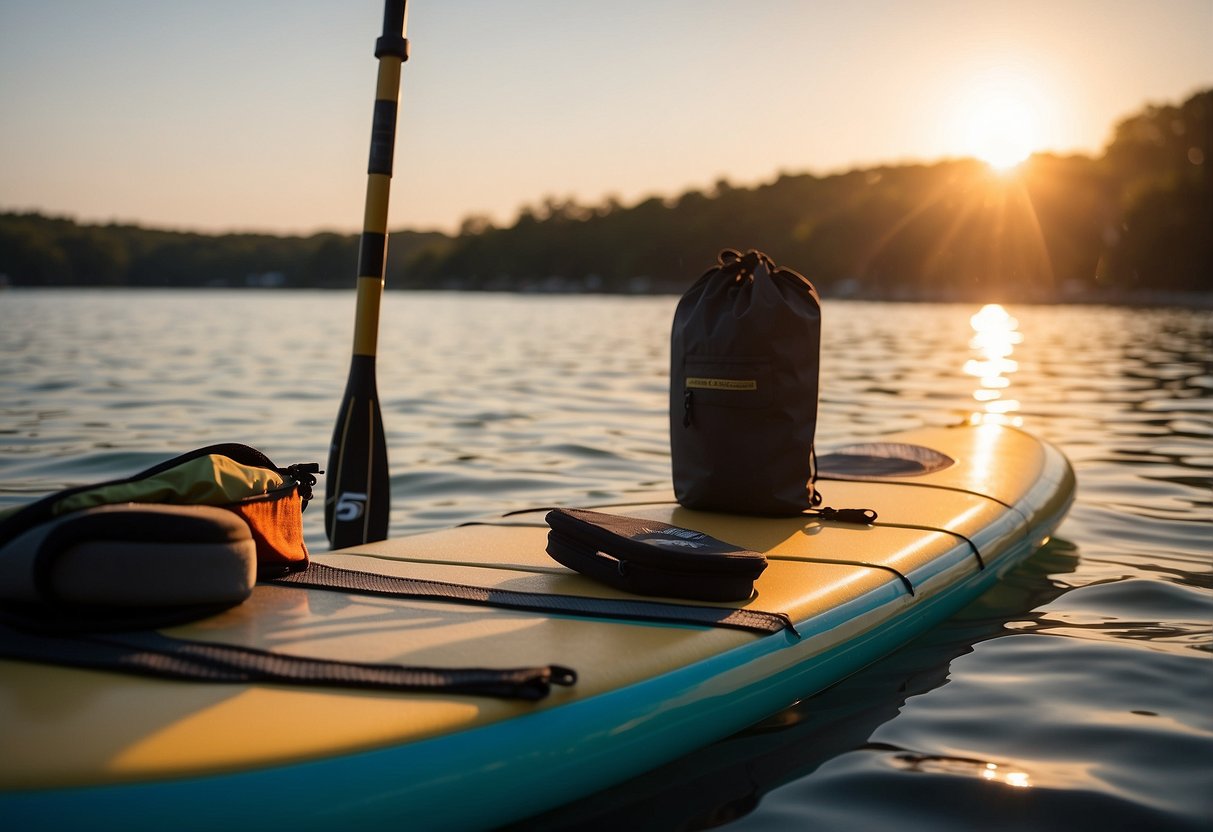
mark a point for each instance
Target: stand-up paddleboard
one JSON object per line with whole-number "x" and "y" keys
{"x": 958, "y": 507}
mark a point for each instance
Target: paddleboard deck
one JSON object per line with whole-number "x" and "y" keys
{"x": 958, "y": 507}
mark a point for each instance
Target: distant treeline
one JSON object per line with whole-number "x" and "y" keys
{"x": 1138, "y": 218}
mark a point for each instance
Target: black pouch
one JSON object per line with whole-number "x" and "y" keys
{"x": 744, "y": 353}
{"x": 648, "y": 557}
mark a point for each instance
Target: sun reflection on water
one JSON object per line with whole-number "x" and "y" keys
{"x": 1018, "y": 779}
{"x": 1013, "y": 776}
{"x": 996, "y": 333}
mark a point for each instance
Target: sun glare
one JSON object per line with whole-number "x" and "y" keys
{"x": 1000, "y": 119}
{"x": 1003, "y": 132}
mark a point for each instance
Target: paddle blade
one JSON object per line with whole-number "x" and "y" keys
{"x": 356, "y": 493}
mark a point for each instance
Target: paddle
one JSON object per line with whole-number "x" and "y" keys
{"x": 357, "y": 498}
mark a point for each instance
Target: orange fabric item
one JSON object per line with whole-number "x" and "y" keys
{"x": 276, "y": 522}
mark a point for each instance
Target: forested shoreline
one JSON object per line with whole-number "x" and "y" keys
{"x": 1134, "y": 220}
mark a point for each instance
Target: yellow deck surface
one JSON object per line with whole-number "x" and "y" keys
{"x": 62, "y": 727}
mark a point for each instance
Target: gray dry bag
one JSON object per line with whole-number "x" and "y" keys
{"x": 744, "y": 356}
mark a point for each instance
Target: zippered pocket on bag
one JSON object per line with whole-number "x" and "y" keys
{"x": 725, "y": 381}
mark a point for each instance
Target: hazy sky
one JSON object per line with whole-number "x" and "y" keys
{"x": 255, "y": 114}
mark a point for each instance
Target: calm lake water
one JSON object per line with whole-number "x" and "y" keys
{"x": 1075, "y": 695}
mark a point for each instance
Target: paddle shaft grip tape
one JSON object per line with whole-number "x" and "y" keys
{"x": 392, "y": 50}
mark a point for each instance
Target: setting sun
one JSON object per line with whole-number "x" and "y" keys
{"x": 1003, "y": 132}
{"x": 1000, "y": 117}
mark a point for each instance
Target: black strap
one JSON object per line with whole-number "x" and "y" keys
{"x": 25, "y": 637}
{"x": 149, "y": 653}
{"x": 322, "y": 576}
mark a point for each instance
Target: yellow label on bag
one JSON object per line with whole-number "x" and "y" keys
{"x": 700, "y": 383}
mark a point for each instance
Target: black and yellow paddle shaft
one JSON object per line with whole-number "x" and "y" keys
{"x": 357, "y": 486}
